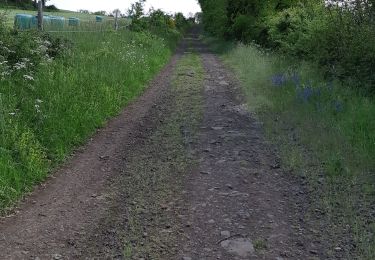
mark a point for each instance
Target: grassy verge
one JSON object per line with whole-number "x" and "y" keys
{"x": 326, "y": 133}
{"x": 157, "y": 169}
{"x": 44, "y": 117}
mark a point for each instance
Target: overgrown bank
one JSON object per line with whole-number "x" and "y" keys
{"x": 54, "y": 93}
{"x": 326, "y": 133}
{"x": 337, "y": 35}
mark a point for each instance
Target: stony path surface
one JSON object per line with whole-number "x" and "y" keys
{"x": 183, "y": 173}
{"x": 241, "y": 204}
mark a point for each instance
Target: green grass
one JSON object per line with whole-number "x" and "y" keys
{"x": 329, "y": 138}
{"x": 43, "y": 120}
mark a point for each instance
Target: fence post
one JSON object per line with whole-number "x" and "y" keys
{"x": 40, "y": 15}
{"x": 116, "y": 20}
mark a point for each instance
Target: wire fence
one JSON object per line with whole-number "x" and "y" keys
{"x": 65, "y": 22}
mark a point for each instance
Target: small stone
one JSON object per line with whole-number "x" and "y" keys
{"x": 314, "y": 252}
{"x": 104, "y": 157}
{"x": 204, "y": 173}
{"x": 225, "y": 234}
{"x": 186, "y": 258}
{"x": 229, "y": 186}
{"x": 211, "y": 221}
{"x": 57, "y": 257}
{"x": 224, "y": 83}
{"x": 338, "y": 249}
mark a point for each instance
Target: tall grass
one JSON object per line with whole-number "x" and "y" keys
{"x": 43, "y": 118}
{"x": 326, "y": 132}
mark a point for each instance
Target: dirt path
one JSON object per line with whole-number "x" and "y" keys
{"x": 183, "y": 173}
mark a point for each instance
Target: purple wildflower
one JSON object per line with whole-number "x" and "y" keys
{"x": 278, "y": 80}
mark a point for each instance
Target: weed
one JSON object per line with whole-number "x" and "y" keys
{"x": 260, "y": 244}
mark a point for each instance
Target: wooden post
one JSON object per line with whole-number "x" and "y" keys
{"x": 116, "y": 20}
{"x": 40, "y": 15}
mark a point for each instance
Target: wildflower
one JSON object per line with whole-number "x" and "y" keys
{"x": 338, "y": 106}
{"x": 37, "y": 107}
{"x": 278, "y": 80}
{"x": 19, "y": 65}
{"x": 39, "y": 101}
{"x": 28, "y": 77}
{"x": 47, "y": 43}
{"x": 12, "y": 114}
{"x": 305, "y": 93}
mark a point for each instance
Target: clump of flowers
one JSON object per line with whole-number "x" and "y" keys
{"x": 279, "y": 80}
{"x": 322, "y": 98}
{"x": 22, "y": 53}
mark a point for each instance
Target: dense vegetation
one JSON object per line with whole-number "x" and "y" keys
{"x": 55, "y": 90}
{"x": 337, "y": 35}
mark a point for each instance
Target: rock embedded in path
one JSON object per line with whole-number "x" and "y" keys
{"x": 211, "y": 221}
{"x": 225, "y": 234}
{"x": 239, "y": 246}
{"x": 224, "y": 83}
{"x": 57, "y": 256}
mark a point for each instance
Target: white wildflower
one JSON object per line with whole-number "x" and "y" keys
{"x": 37, "y": 107}
{"x": 28, "y": 77}
{"x": 47, "y": 43}
{"x": 19, "y": 65}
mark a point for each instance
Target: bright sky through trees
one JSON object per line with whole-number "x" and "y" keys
{"x": 172, "y": 6}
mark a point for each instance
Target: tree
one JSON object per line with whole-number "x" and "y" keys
{"x": 135, "y": 12}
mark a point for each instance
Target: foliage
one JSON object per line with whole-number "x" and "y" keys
{"x": 156, "y": 21}
{"x": 338, "y": 35}
{"x": 27, "y": 4}
{"x": 102, "y": 13}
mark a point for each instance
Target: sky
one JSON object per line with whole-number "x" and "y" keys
{"x": 170, "y": 6}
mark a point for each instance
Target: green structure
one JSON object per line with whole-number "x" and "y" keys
{"x": 57, "y": 22}
{"x": 28, "y": 21}
{"x": 25, "y": 21}
{"x": 72, "y": 21}
{"x": 99, "y": 19}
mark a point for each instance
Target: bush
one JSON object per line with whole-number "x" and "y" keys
{"x": 341, "y": 40}
{"x": 344, "y": 48}
{"x": 21, "y": 53}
